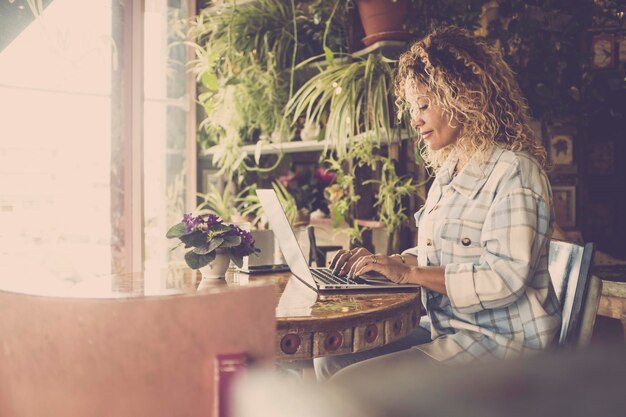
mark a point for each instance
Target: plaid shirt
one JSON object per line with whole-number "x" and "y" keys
{"x": 490, "y": 226}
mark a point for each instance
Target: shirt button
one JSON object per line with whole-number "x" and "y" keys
{"x": 466, "y": 241}
{"x": 429, "y": 242}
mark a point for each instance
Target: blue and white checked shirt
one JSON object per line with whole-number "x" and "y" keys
{"x": 490, "y": 226}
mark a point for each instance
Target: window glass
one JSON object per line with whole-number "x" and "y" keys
{"x": 55, "y": 143}
{"x": 166, "y": 110}
{"x": 67, "y": 206}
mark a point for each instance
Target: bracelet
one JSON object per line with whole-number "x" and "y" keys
{"x": 401, "y": 257}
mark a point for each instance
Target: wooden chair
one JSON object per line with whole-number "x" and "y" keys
{"x": 145, "y": 356}
{"x": 578, "y": 293}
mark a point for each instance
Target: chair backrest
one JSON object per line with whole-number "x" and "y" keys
{"x": 569, "y": 265}
{"x": 589, "y": 311}
{"x": 147, "y": 356}
{"x": 313, "y": 258}
{"x": 317, "y": 254}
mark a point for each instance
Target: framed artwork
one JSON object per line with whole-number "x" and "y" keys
{"x": 603, "y": 51}
{"x": 561, "y": 148}
{"x": 564, "y": 201}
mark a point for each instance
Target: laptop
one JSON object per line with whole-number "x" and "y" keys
{"x": 321, "y": 279}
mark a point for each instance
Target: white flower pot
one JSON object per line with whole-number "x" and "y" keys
{"x": 216, "y": 269}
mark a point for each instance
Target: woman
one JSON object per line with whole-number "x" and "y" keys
{"x": 484, "y": 231}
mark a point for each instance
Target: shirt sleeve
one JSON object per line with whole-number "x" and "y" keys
{"x": 515, "y": 230}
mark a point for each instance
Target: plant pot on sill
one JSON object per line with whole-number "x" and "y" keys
{"x": 383, "y": 20}
{"x": 216, "y": 269}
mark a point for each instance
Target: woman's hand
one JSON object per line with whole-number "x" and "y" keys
{"x": 392, "y": 269}
{"x": 345, "y": 259}
{"x": 360, "y": 261}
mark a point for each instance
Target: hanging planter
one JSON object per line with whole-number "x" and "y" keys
{"x": 383, "y": 19}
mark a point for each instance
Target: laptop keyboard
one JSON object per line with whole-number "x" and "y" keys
{"x": 327, "y": 277}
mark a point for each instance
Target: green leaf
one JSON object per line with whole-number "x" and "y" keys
{"x": 237, "y": 260}
{"x": 202, "y": 250}
{"x": 337, "y": 216}
{"x": 230, "y": 81}
{"x": 232, "y": 241}
{"x": 194, "y": 239}
{"x": 212, "y": 57}
{"x": 220, "y": 228}
{"x": 258, "y": 149}
{"x": 215, "y": 243}
{"x": 328, "y": 54}
{"x": 209, "y": 80}
{"x": 196, "y": 261}
{"x": 177, "y": 230}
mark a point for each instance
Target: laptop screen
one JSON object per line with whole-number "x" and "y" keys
{"x": 285, "y": 236}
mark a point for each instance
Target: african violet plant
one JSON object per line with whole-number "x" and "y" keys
{"x": 208, "y": 236}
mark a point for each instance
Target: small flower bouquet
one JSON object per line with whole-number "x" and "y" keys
{"x": 208, "y": 236}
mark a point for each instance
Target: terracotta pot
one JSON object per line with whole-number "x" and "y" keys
{"x": 383, "y": 19}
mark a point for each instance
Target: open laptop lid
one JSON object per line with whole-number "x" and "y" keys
{"x": 285, "y": 236}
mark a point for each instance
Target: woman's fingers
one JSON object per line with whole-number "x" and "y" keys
{"x": 336, "y": 259}
{"x": 344, "y": 260}
{"x": 367, "y": 263}
{"x": 340, "y": 262}
{"x": 383, "y": 265}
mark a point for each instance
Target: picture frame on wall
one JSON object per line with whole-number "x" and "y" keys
{"x": 561, "y": 148}
{"x": 564, "y": 201}
{"x": 603, "y": 51}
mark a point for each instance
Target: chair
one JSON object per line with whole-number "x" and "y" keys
{"x": 144, "y": 356}
{"x": 578, "y": 293}
{"x": 317, "y": 254}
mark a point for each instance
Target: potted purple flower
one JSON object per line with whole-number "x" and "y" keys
{"x": 213, "y": 243}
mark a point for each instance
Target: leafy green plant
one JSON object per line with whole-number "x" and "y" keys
{"x": 249, "y": 204}
{"x": 391, "y": 191}
{"x": 245, "y": 59}
{"x": 349, "y": 99}
{"x": 390, "y": 188}
{"x": 218, "y": 203}
{"x": 287, "y": 201}
{"x": 354, "y": 99}
{"x": 241, "y": 57}
{"x": 207, "y": 235}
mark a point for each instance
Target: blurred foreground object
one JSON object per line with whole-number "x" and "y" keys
{"x": 576, "y": 383}
{"x": 132, "y": 356}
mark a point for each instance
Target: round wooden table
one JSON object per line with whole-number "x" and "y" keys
{"x": 312, "y": 324}
{"x": 309, "y": 324}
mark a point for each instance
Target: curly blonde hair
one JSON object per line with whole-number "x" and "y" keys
{"x": 471, "y": 82}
